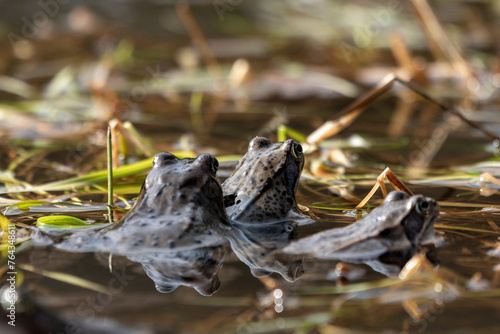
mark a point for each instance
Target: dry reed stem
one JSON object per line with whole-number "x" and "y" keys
{"x": 199, "y": 40}
{"x": 355, "y": 109}
{"x": 438, "y": 39}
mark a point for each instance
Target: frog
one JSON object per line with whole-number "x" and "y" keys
{"x": 175, "y": 229}
{"x": 401, "y": 223}
{"x": 179, "y": 207}
{"x": 263, "y": 185}
{"x": 259, "y": 197}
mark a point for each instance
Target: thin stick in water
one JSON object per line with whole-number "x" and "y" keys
{"x": 110, "y": 171}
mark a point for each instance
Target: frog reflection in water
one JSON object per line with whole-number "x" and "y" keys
{"x": 174, "y": 229}
{"x": 401, "y": 223}
{"x": 261, "y": 205}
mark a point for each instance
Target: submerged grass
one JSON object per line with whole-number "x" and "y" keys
{"x": 66, "y": 278}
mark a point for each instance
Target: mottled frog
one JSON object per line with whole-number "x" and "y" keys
{"x": 180, "y": 207}
{"x": 263, "y": 185}
{"x": 402, "y": 222}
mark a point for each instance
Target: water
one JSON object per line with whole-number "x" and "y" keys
{"x": 248, "y": 304}
{"x": 461, "y": 296}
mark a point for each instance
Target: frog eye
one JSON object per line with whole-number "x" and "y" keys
{"x": 163, "y": 158}
{"x": 296, "y": 150}
{"x": 214, "y": 166}
{"x": 422, "y": 206}
{"x": 258, "y": 142}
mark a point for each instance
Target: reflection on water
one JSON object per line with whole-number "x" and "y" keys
{"x": 195, "y": 268}
{"x": 256, "y": 245}
{"x": 130, "y": 296}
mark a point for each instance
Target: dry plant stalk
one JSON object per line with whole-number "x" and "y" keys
{"x": 438, "y": 40}
{"x": 115, "y": 128}
{"x": 393, "y": 179}
{"x": 405, "y": 106}
{"x": 354, "y": 110}
{"x": 199, "y": 40}
{"x": 403, "y": 56}
{"x": 127, "y": 131}
{"x": 349, "y": 114}
{"x": 211, "y": 63}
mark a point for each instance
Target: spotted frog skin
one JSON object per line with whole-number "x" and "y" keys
{"x": 402, "y": 222}
{"x": 180, "y": 207}
{"x": 262, "y": 187}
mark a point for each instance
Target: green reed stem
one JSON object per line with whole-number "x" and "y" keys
{"x": 110, "y": 171}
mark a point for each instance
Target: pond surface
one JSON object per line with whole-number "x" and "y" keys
{"x": 54, "y": 123}
{"x": 314, "y": 301}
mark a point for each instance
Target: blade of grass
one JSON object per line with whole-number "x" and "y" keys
{"x": 110, "y": 176}
{"x": 26, "y": 205}
{"x": 66, "y": 278}
{"x": 110, "y": 170}
{"x": 101, "y": 176}
{"x": 90, "y": 178}
{"x": 284, "y": 130}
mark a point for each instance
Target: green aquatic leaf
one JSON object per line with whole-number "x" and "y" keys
{"x": 60, "y": 220}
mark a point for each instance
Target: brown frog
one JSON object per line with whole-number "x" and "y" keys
{"x": 402, "y": 222}
{"x": 262, "y": 187}
{"x": 261, "y": 205}
{"x": 174, "y": 230}
{"x": 180, "y": 207}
